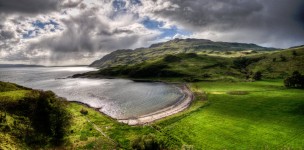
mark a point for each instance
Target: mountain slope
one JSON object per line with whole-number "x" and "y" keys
{"x": 176, "y": 46}
{"x": 197, "y": 66}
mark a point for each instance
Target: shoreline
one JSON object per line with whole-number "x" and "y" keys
{"x": 165, "y": 112}
{"x": 179, "y": 106}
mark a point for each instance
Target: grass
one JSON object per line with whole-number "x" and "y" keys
{"x": 121, "y": 134}
{"x": 198, "y": 66}
{"x": 266, "y": 118}
{"x": 14, "y": 95}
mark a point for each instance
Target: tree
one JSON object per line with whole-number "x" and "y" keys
{"x": 294, "y": 53}
{"x": 257, "y": 76}
{"x": 50, "y": 118}
{"x": 296, "y": 80}
{"x": 283, "y": 58}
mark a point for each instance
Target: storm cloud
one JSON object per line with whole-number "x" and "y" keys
{"x": 80, "y": 31}
{"x": 28, "y": 6}
{"x": 272, "y": 22}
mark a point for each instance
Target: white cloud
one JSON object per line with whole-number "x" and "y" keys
{"x": 88, "y": 29}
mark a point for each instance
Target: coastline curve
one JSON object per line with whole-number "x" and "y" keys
{"x": 168, "y": 111}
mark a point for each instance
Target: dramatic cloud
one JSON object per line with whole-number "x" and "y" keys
{"x": 271, "y": 23}
{"x": 62, "y": 32}
{"x": 28, "y": 6}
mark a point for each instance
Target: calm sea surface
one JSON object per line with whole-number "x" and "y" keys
{"x": 118, "y": 98}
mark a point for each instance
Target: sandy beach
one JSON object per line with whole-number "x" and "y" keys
{"x": 177, "y": 107}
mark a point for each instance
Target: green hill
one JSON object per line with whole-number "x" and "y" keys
{"x": 200, "y": 46}
{"x": 194, "y": 66}
{"x": 31, "y": 119}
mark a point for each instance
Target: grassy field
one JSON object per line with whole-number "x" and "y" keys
{"x": 225, "y": 115}
{"x": 244, "y": 115}
{"x": 268, "y": 116}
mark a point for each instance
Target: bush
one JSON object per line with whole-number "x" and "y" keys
{"x": 147, "y": 142}
{"x": 283, "y": 58}
{"x": 257, "y": 76}
{"x": 84, "y": 112}
{"x": 296, "y": 80}
{"x": 172, "y": 58}
{"x": 294, "y": 53}
{"x": 50, "y": 118}
{"x": 243, "y": 62}
{"x": 191, "y": 55}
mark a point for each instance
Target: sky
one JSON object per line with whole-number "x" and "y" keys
{"x": 77, "y": 32}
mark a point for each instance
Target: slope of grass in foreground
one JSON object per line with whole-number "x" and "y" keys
{"x": 266, "y": 116}
{"x": 256, "y": 115}
{"x": 91, "y": 131}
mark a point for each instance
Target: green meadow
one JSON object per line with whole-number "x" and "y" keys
{"x": 268, "y": 116}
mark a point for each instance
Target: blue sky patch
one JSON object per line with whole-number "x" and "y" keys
{"x": 166, "y": 32}
{"x": 39, "y": 25}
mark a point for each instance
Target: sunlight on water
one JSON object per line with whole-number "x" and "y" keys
{"x": 119, "y": 98}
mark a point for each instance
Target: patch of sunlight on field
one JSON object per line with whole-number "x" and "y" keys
{"x": 14, "y": 95}
{"x": 268, "y": 117}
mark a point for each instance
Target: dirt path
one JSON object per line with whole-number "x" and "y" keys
{"x": 99, "y": 130}
{"x": 178, "y": 107}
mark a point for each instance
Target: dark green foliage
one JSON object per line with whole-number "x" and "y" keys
{"x": 2, "y": 117}
{"x": 40, "y": 118}
{"x": 274, "y": 59}
{"x": 191, "y": 55}
{"x": 257, "y": 76}
{"x": 206, "y": 75}
{"x": 84, "y": 112}
{"x": 296, "y": 80}
{"x": 152, "y": 70}
{"x": 50, "y": 117}
{"x": 172, "y": 58}
{"x": 243, "y": 62}
{"x": 191, "y": 79}
{"x": 294, "y": 53}
{"x": 142, "y": 70}
{"x": 147, "y": 142}
{"x": 283, "y": 58}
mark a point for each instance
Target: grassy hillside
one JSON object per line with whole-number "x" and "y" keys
{"x": 173, "y": 47}
{"x": 196, "y": 67}
{"x": 224, "y": 115}
{"x": 30, "y": 118}
{"x": 90, "y": 130}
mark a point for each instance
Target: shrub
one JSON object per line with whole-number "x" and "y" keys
{"x": 84, "y": 112}
{"x": 257, "y": 76}
{"x": 296, "y": 80}
{"x": 191, "y": 55}
{"x": 50, "y": 118}
{"x": 243, "y": 62}
{"x": 283, "y": 58}
{"x": 294, "y": 53}
{"x": 172, "y": 58}
{"x": 147, "y": 142}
